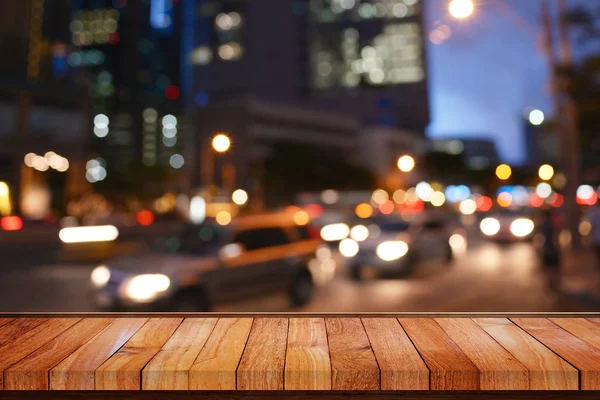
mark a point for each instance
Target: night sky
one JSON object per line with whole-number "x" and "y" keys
{"x": 488, "y": 72}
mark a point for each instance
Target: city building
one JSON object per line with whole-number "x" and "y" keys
{"x": 42, "y": 109}
{"x": 363, "y": 58}
{"x": 359, "y": 61}
{"x": 476, "y": 154}
{"x": 130, "y": 56}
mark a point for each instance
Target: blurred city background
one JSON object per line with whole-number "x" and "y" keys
{"x": 388, "y": 155}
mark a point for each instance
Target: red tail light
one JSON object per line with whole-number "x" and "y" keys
{"x": 12, "y": 223}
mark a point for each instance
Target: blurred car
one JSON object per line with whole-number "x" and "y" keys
{"x": 389, "y": 244}
{"x": 208, "y": 263}
{"x": 508, "y": 225}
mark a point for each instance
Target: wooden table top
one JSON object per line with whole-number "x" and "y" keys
{"x": 299, "y": 353}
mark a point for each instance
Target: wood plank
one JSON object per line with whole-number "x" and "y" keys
{"x": 76, "y": 372}
{"x": 31, "y": 340}
{"x": 353, "y": 363}
{"x": 547, "y": 371}
{"x": 450, "y": 368}
{"x": 402, "y": 368}
{"x": 15, "y": 329}
{"x": 123, "y": 370}
{"x": 169, "y": 368}
{"x": 216, "y": 365}
{"x": 31, "y": 373}
{"x": 499, "y": 370}
{"x": 4, "y": 321}
{"x": 585, "y": 330}
{"x": 261, "y": 366}
{"x": 578, "y": 353}
{"x": 307, "y": 363}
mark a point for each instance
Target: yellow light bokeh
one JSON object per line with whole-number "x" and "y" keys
{"x": 406, "y": 163}
{"x": 223, "y": 218}
{"x": 461, "y": 9}
{"x": 240, "y": 197}
{"x": 546, "y": 172}
{"x": 505, "y": 199}
{"x": 364, "y": 210}
{"x": 221, "y": 143}
{"x": 301, "y": 218}
{"x": 503, "y": 172}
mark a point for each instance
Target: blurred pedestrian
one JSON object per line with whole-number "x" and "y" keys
{"x": 550, "y": 250}
{"x": 594, "y": 219}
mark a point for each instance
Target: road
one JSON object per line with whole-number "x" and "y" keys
{"x": 488, "y": 278}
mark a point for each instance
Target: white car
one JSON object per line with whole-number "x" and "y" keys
{"x": 389, "y": 244}
{"x": 508, "y": 226}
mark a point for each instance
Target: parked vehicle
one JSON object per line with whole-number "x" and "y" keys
{"x": 208, "y": 263}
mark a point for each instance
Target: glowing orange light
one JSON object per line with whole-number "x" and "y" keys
{"x": 12, "y": 223}
{"x": 145, "y": 218}
{"x": 301, "y": 218}
{"x": 364, "y": 210}
{"x": 387, "y": 207}
{"x": 505, "y": 199}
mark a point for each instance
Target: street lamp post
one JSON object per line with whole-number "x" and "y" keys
{"x": 220, "y": 144}
{"x": 564, "y": 107}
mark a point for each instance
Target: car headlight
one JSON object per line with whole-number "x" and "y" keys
{"x": 349, "y": 248}
{"x": 522, "y": 227}
{"x": 145, "y": 288}
{"x": 391, "y": 251}
{"x": 335, "y": 232}
{"x": 490, "y": 226}
{"x": 359, "y": 233}
{"x": 100, "y": 276}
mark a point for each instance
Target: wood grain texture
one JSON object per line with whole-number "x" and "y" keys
{"x": 216, "y": 365}
{"x": 585, "y": 330}
{"x": 4, "y": 321}
{"x": 76, "y": 372}
{"x": 31, "y": 340}
{"x": 547, "y": 371}
{"x": 402, "y": 368}
{"x": 578, "y": 353}
{"x": 450, "y": 368}
{"x": 261, "y": 366}
{"x": 13, "y": 330}
{"x": 307, "y": 363}
{"x": 499, "y": 370}
{"x": 123, "y": 370}
{"x": 353, "y": 363}
{"x": 31, "y": 373}
{"x": 169, "y": 368}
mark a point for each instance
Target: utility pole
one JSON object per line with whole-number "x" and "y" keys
{"x": 564, "y": 111}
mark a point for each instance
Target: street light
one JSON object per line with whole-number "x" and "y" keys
{"x": 546, "y": 172}
{"x": 536, "y": 117}
{"x": 221, "y": 143}
{"x": 503, "y": 172}
{"x": 461, "y": 9}
{"x": 406, "y": 163}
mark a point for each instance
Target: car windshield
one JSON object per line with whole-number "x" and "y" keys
{"x": 198, "y": 240}
{"x": 392, "y": 225}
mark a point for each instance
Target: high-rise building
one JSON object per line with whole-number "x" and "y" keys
{"x": 361, "y": 57}
{"x": 368, "y": 56}
{"x": 129, "y": 54}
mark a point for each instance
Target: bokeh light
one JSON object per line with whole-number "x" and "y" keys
{"x": 503, "y": 172}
